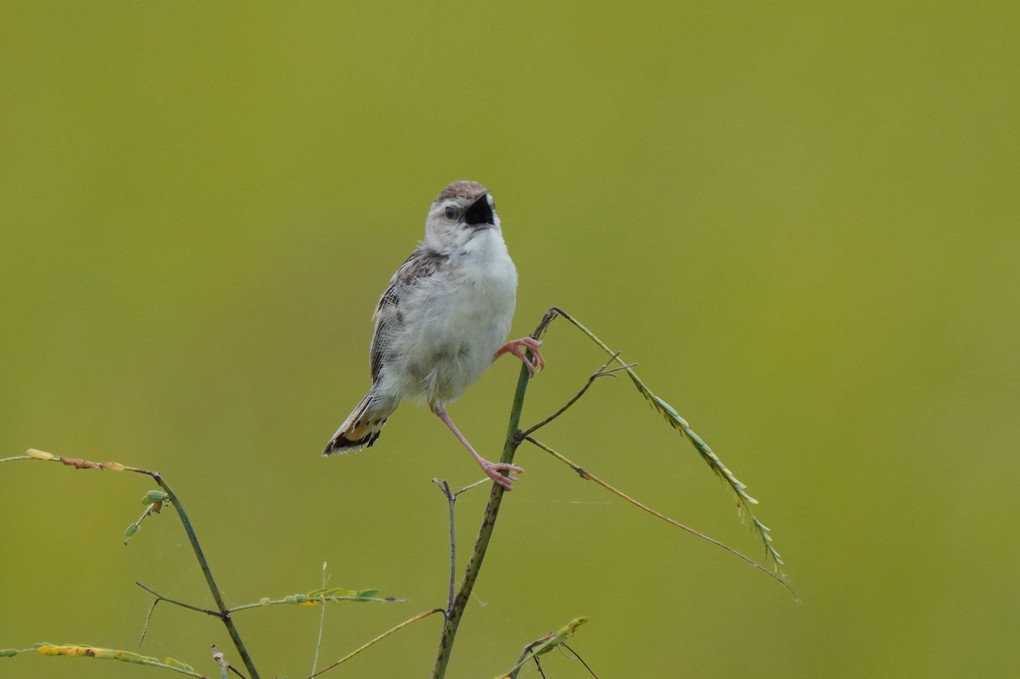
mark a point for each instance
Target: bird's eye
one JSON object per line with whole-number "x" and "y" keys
{"x": 451, "y": 212}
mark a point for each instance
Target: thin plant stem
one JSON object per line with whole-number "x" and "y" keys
{"x": 444, "y": 486}
{"x": 145, "y": 625}
{"x": 377, "y": 639}
{"x": 223, "y": 612}
{"x": 160, "y": 597}
{"x": 322, "y": 620}
{"x": 456, "y": 611}
{"x": 601, "y": 372}
{"x": 745, "y": 502}
{"x": 587, "y": 475}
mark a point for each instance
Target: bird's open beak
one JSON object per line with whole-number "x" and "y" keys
{"x": 479, "y": 214}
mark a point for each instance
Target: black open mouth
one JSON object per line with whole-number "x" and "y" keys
{"x": 479, "y": 213}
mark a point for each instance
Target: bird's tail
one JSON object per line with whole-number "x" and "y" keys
{"x": 361, "y": 428}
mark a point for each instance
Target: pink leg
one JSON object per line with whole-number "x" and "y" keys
{"x": 491, "y": 469}
{"x": 518, "y": 348}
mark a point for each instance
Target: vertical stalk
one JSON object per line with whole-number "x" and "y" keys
{"x": 459, "y": 603}
{"x": 221, "y": 606}
{"x": 456, "y": 611}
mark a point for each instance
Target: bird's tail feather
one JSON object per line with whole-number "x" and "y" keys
{"x": 361, "y": 428}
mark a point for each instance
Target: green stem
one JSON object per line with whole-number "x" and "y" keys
{"x": 510, "y": 445}
{"x": 224, "y": 612}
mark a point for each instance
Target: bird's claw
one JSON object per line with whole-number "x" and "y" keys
{"x": 520, "y": 348}
{"x": 493, "y": 469}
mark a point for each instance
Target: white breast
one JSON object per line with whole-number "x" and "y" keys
{"x": 456, "y": 322}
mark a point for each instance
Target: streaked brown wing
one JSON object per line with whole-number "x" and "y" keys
{"x": 422, "y": 263}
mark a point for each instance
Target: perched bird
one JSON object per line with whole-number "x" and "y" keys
{"x": 442, "y": 321}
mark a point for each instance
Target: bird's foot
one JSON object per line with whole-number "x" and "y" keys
{"x": 493, "y": 469}
{"x": 519, "y": 348}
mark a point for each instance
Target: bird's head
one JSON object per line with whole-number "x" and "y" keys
{"x": 462, "y": 210}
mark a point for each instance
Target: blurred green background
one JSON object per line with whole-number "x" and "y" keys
{"x": 800, "y": 218}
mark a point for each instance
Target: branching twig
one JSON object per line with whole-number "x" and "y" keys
{"x": 601, "y": 372}
{"x": 160, "y": 597}
{"x": 451, "y": 499}
{"x": 585, "y": 474}
{"x": 222, "y": 612}
{"x": 515, "y": 437}
{"x": 376, "y": 640}
{"x": 744, "y": 500}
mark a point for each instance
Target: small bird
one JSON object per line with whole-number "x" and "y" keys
{"x": 442, "y": 322}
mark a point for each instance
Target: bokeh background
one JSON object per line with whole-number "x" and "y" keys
{"x": 799, "y": 218}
